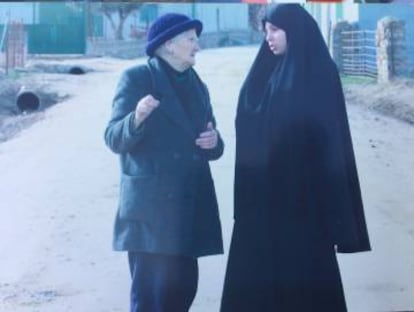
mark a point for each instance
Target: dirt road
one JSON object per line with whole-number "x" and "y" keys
{"x": 59, "y": 188}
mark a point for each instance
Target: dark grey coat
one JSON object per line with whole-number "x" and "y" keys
{"x": 167, "y": 199}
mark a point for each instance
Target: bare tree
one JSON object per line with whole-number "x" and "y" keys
{"x": 121, "y": 9}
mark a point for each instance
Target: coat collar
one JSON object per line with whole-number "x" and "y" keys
{"x": 169, "y": 102}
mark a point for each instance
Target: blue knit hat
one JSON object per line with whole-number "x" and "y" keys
{"x": 168, "y": 26}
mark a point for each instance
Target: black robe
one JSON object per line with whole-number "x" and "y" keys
{"x": 296, "y": 194}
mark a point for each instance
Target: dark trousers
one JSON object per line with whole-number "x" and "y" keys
{"x": 162, "y": 283}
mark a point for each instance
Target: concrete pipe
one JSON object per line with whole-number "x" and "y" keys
{"x": 27, "y": 100}
{"x": 76, "y": 70}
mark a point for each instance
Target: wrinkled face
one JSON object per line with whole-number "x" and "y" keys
{"x": 276, "y": 39}
{"x": 184, "y": 47}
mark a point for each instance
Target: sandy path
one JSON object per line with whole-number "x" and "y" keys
{"x": 59, "y": 184}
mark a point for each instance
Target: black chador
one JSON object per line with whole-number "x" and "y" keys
{"x": 297, "y": 196}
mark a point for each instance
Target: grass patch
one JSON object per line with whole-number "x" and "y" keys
{"x": 14, "y": 74}
{"x": 349, "y": 80}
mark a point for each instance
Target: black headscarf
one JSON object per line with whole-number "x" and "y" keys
{"x": 294, "y": 154}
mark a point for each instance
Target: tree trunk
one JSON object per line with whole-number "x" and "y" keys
{"x": 122, "y": 17}
{"x": 111, "y": 21}
{"x": 119, "y": 30}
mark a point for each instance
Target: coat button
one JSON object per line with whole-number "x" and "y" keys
{"x": 196, "y": 157}
{"x": 170, "y": 195}
{"x": 176, "y": 155}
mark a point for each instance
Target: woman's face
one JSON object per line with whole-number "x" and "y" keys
{"x": 276, "y": 39}
{"x": 184, "y": 48}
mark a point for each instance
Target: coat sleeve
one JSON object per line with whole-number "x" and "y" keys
{"x": 217, "y": 152}
{"x": 120, "y": 134}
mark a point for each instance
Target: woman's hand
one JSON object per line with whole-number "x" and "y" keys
{"x": 144, "y": 108}
{"x": 209, "y": 138}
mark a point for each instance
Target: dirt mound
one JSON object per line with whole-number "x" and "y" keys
{"x": 394, "y": 99}
{"x": 12, "y": 125}
{"x": 8, "y": 90}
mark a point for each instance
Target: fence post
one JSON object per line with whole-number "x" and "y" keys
{"x": 391, "y": 49}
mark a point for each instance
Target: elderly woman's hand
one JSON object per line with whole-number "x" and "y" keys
{"x": 144, "y": 108}
{"x": 208, "y": 139}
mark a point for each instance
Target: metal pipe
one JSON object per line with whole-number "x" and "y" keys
{"x": 76, "y": 70}
{"x": 27, "y": 100}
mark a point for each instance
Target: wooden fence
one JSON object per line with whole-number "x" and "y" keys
{"x": 13, "y": 45}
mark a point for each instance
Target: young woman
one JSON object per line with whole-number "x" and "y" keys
{"x": 297, "y": 195}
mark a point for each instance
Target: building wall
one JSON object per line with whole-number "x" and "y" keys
{"x": 350, "y": 12}
{"x": 228, "y": 16}
{"x": 324, "y": 14}
{"x": 327, "y": 14}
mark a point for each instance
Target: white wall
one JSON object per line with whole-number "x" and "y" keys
{"x": 351, "y": 11}
{"x": 325, "y": 14}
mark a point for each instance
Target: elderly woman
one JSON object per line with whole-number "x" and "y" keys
{"x": 163, "y": 128}
{"x": 297, "y": 195}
